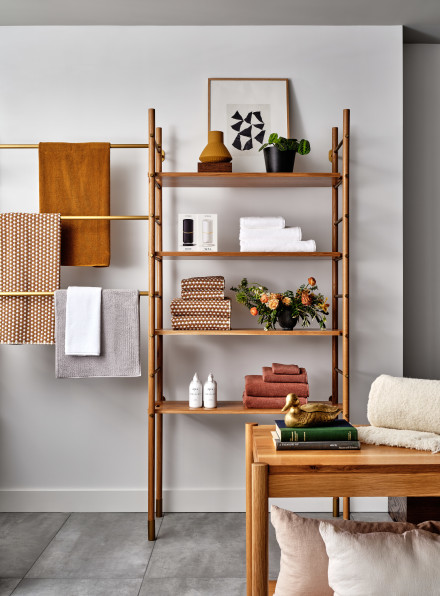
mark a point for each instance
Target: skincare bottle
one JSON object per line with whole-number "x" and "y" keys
{"x": 210, "y": 392}
{"x": 195, "y": 393}
{"x": 188, "y": 232}
{"x": 207, "y": 232}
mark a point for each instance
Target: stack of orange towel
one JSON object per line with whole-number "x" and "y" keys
{"x": 270, "y": 389}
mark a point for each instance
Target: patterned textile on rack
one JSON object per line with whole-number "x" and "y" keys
{"x": 179, "y": 306}
{"x": 202, "y": 322}
{"x": 202, "y": 295}
{"x": 29, "y": 261}
{"x": 210, "y": 282}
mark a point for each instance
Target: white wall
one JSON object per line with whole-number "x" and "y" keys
{"x": 421, "y": 211}
{"x": 82, "y": 444}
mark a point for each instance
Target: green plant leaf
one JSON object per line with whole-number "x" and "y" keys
{"x": 304, "y": 147}
{"x": 273, "y": 138}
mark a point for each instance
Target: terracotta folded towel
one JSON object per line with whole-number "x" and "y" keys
{"x": 29, "y": 261}
{"x": 254, "y": 385}
{"x": 75, "y": 180}
{"x": 285, "y": 369}
{"x": 252, "y": 401}
{"x": 179, "y": 306}
{"x": 210, "y": 282}
{"x": 201, "y": 322}
{"x": 202, "y": 295}
{"x": 270, "y": 377}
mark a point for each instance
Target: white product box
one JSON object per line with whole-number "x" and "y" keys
{"x": 197, "y": 232}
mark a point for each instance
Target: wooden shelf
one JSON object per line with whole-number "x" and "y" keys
{"x": 247, "y": 179}
{"x": 223, "y": 407}
{"x": 248, "y": 255}
{"x": 306, "y": 332}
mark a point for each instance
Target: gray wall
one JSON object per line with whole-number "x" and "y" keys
{"x": 421, "y": 199}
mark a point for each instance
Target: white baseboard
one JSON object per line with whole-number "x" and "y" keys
{"x": 179, "y": 500}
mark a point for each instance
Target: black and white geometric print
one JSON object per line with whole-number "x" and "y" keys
{"x": 247, "y": 127}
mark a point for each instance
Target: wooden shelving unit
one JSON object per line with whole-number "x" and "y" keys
{"x": 157, "y": 404}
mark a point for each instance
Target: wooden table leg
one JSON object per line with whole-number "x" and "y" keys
{"x": 260, "y": 530}
{"x": 249, "y": 461}
{"x": 346, "y": 507}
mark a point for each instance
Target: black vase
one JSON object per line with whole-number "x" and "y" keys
{"x": 278, "y": 161}
{"x": 286, "y": 320}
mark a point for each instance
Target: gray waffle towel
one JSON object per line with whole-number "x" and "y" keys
{"x": 119, "y": 338}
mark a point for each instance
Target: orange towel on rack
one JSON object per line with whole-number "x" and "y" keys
{"x": 29, "y": 262}
{"x": 75, "y": 180}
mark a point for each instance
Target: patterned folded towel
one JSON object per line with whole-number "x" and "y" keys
{"x": 253, "y": 401}
{"x": 210, "y": 282}
{"x": 255, "y": 386}
{"x": 180, "y": 306}
{"x": 201, "y": 322}
{"x": 285, "y": 369}
{"x": 29, "y": 261}
{"x": 270, "y": 377}
{"x": 202, "y": 295}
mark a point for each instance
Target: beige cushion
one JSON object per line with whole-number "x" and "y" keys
{"x": 304, "y": 560}
{"x": 382, "y": 563}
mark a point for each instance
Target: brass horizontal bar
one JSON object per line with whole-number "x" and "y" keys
{"x": 341, "y": 295}
{"x": 112, "y": 146}
{"x": 158, "y": 369}
{"x": 106, "y": 217}
{"x": 141, "y": 293}
{"x": 339, "y": 145}
{"x": 337, "y": 222}
{"x": 340, "y": 372}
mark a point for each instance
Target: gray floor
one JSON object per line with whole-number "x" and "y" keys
{"x": 107, "y": 554}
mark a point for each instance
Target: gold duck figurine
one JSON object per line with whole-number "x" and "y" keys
{"x": 309, "y": 414}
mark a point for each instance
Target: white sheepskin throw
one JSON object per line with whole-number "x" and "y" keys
{"x": 412, "y": 439}
{"x": 406, "y": 404}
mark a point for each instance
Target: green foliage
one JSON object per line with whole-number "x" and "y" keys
{"x": 283, "y": 144}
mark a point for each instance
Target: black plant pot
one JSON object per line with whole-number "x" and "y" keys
{"x": 286, "y": 321}
{"x": 278, "y": 161}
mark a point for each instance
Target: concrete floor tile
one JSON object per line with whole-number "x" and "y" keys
{"x": 193, "y": 587}
{"x": 7, "y": 586}
{"x": 78, "y": 587}
{"x": 375, "y": 516}
{"x": 99, "y": 546}
{"x": 200, "y": 545}
{"x": 23, "y": 537}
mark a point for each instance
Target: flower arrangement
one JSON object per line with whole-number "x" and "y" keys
{"x": 305, "y": 304}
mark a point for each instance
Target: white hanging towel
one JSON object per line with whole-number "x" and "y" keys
{"x": 83, "y": 321}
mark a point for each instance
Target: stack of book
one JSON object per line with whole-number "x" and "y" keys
{"x": 338, "y": 435}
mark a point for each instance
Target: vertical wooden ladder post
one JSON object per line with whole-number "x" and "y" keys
{"x": 335, "y": 287}
{"x": 151, "y": 321}
{"x": 159, "y": 325}
{"x": 249, "y": 460}
{"x": 260, "y": 530}
{"x": 345, "y": 278}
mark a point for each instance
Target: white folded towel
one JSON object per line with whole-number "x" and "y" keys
{"x": 83, "y": 321}
{"x": 294, "y": 234}
{"x": 277, "y": 244}
{"x": 259, "y": 223}
{"x": 412, "y": 439}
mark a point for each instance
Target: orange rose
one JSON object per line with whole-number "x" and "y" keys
{"x": 312, "y": 281}
{"x": 273, "y": 303}
{"x": 286, "y": 300}
{"x": 264, "y": 298}
{"x": 254, "y": 311}
{"x": 306, "y": 299}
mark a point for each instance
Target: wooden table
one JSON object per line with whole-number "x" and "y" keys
{"x": 374, "y": 471}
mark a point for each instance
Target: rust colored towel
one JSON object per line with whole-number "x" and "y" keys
{"x": 255, "y": 386}
{"x": 210, "y": 282}
{"x": 179, "y": 306}
{"x": 29, "y": 261}
{"x": 269, "y": 377}
{"x": 285, "y": 369}
{"x": 75, "y": 180}
{"x": 252, "y": 401}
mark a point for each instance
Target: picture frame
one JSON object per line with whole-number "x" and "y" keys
{"x": 247, "y": 111}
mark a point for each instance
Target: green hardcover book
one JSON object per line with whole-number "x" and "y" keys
{"x": 338, "y": 430}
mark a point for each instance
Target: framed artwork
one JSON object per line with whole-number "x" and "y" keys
{"x": 248, "y": 111}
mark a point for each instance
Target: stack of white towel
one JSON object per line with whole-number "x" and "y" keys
{"x": 269, "y": 234}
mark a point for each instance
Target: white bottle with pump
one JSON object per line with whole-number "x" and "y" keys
{"x": 195, "y": 393}
{"x": 210, "y": 393}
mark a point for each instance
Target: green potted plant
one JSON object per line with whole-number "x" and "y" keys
{"x": 279, "y": 152}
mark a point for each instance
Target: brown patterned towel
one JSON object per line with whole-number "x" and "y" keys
{"x": 179, "y": 306}
{"x": 202, "y": 323}
{"x": 252, "y": 401}
{"x": 210, "y": 282}
{"x": 254, "y": 385}
{"x": 75, "y": 180}
{"x": 30, "y": 261}
{"x": 269, "y": 377}
{"x": 202, "y": 295}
